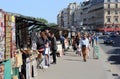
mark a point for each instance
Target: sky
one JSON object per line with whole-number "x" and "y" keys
{"x": 47, "y": 9}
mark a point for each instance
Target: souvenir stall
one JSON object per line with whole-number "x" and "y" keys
{"x": 23, "y": 44}
{"x": 2, "y": 44}
{"x": 17, "y": 49}
{"x": 5, "y": 61}
{"x": 26, "y": 42}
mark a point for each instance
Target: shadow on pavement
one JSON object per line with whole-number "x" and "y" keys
{"x": 71, "y": 55}
{"x": 116, "y": 41}
{"x": 72, "y": 60}
{"x": 114, "y": 51}
{"x": 115, "y": 57}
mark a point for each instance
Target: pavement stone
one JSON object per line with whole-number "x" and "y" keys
{"x": 71, "y": 66}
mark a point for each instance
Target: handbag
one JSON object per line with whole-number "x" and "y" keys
{"x": 41, "y": 50}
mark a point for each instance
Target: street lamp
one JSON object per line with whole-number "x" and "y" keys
{"x": 113, "y": 26}
{"x": 105, "y": 27}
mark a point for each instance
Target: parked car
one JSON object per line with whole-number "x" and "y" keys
{"x": 113, "y": 34}
{"x": 106, "y": 33}
{"x": 108, "y": 40}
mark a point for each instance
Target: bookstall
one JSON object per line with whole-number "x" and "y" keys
{"x": 25, "y": 42}
{"x": 5, "y": 45}
{"x": 17, "y": 46}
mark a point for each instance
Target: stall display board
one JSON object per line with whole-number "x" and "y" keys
{"x": 8, "y": 36}
{"x": 2, "y": 36}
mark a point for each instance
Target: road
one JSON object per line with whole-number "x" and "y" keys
{"x": 113, "y": 56}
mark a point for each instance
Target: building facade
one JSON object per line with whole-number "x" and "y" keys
{"x": 94, "y": 14}
{"x": 112, "y": 14}
{"x": 68, "y": 16}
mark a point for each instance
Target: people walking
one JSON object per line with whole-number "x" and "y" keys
{"x": 93, "y": 39}
{"x": 62, "y": 40}
{"x": 53, "y": 48}
{"x": 78, "y": 43}
{"x": 40, "y": 48}
{"x": 96, "y": 39}
{"x": 47, "y": 51}
{"x": 84, "y": 47}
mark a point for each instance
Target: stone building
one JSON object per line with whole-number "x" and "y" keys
{"x": 95, "y": 14}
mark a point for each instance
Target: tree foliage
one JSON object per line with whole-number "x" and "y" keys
{"x": 46, "y": 22}
{"x": 52, "y": 24}
{"x": 42, "y": 20}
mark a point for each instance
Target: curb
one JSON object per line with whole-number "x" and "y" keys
{"x": 106, "y": 64}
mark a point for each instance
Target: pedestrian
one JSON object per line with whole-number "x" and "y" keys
{"x": 66, "y": 42}
{"x": 40, "y": 48}
{"x": 47, "y": 51}
{"x": 74, "y": 45}
{"x": 62, "y": 40}
{"x": 93, "y": 39}
{"x": 96, "y": 39}
{"x": 48, "y": 42}
{"x": 85, "y": 47}
{"x": 78, "y": 39}
{"x": 53, "y": 48}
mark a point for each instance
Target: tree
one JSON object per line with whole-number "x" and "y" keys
{"x": 42, "y": 20}
{"x": 52, "y": 24}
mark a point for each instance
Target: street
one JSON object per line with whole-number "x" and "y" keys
{"x": 113, "y": 55}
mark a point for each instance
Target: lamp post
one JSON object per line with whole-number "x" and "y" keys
{"x": 105, "y": 27}
{"x": 113, "y": 26}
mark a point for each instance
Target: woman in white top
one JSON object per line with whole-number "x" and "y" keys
{"x": 84, "y": 46}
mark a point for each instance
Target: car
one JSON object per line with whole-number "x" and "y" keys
{"x": 107, "y": 33}
{"x": 113, "y": 34}
{"x": 108, "y": 40}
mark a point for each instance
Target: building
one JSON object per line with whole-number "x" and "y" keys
{"x": 67, "y": 16}
{"x": 59, "y": 19}
{"x": 96, "y": 14}
{"x": 112, "y": 14}
{"x": 102, "y": 15}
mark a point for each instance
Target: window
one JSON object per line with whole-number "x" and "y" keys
{"x": 116, "y": 19}
{"x": 108, "y": 5}
{"x": 108, "y": 20}
{"x": 116, "y": 0}
{"x": 108, "y": 12}
{"x": 108, "y": 0}
{"x": 116, "y": 5}
{"x": 116, "y": 12}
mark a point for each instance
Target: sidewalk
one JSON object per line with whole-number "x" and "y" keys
{"x": 71, "y": 66}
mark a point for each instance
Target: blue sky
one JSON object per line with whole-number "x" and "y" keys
{"x": 47, "y": 9}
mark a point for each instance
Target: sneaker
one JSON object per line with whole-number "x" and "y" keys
{"x": 45, "y": 66}
{"x": 53, "y": 63}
